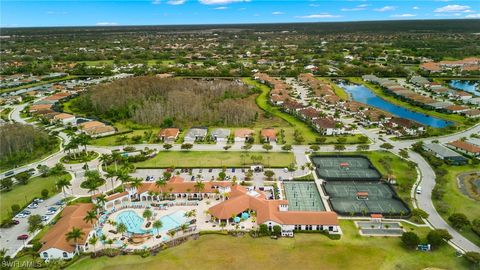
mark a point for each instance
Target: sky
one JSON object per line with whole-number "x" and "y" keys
{"x": 27, "y": 13}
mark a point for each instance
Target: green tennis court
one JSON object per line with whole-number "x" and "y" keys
{"x": 345, "y": 168}
{"x": 303, "y": 196}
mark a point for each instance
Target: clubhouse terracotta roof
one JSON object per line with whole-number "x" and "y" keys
{"x": 177, "y": 184}
{"x": 267, "y": 210}
{"x": 72, "y": 216}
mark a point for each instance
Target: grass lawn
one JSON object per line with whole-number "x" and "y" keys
{"x": 457, "y": 201}
{"x": 310, "y": 251}
{"x": 216, "y": 159}
{"x": 388, "y": 163}
{"x": 23, "y": 194}
{"x": 378, "y": 91}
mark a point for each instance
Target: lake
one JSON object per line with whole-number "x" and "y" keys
{"x": 468, "y": 86}
{"x": 362, "y": 94}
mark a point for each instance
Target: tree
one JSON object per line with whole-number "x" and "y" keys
{"x": 386, "y": 146}
{"x": 473, "y": 257}
{"x": 34, "y": 223}
{"x": 93, "y": 242}
{"x": 476, "y": 226}
{"x": 199, "y": 186}
{"x": 226, "y": 147}
{"x": 121, "y": 228}
{"x": 269, "y": 174}
{"x": 287, "y": 147}
{"x": 157, "y": 225}
{"x": 186, "y": 146}
{"x": 263, "y": 230}
{"x": 436, "y": 237}
{"x": 75, "y": 234}
{"x": 267, "y": 146}
{"x": 63, "y": 184}
{"x": 410, "y": 239}
{"x": 6, "y": 184}
{"x": 167, "y": 146}
{"x": 44, "y": 193}
{"x": 362, "y": 147}
{"x": 105, "y": 159}
{"x": 22, "y": 178}
{"x": 277, "y": 230}
{"x": 339, "y": 147}
{"x": 147, "y": 213}
{"x": 15, "y": 208}
{"x": 90, "y": 217}
{"x": 222, "y": 175}
{"x": 458, "y": 220}
{"x": 314, "y": 147}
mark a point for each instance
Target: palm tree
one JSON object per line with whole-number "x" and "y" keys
{"x": 121, "y": 228}
{"x": 184, "y": 227}
{"x": 172, "y": 235}
{"x": 101, "y": 199}
{"x": 110, "y": 175}
{"x": 136, "y": 182}
{"x": 75, "y": 234}
{"x": 83, "y": 140}
{"x": 62, "y": 184}
{"x": 90, "y": 217}
{"x": 105, "y": 159}
{"x": 157, "y": 225}
{"x": 93, "y": 242}
{"x": 147, "y": 214}
{"x": 160, "y": 183}
{"x": 116, "y": 157}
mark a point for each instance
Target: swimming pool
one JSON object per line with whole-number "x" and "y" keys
{"x": 172, "y": 221}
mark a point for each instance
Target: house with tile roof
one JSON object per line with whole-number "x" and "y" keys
{"x": 465, "y": 147}
{"x": 54, "y": 242}
{"x": 243, "y": 134}
{"x": 168, "y": 134}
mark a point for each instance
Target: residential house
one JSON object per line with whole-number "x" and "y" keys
{"x": 64, "y": 118}
{"x": 243, "y": 134}
{"x": 268, "y": 135}
{"x": 473, "y": 113}
{"x": 446, "y": 154}
{"x": 195, "y": 134}
{"x": 169, "y": 134}
{"x": 328, "y": 126}
{"x": 465, "y": 147}
{"x": 220, "y": 135}
{"x": 402, "y": 126}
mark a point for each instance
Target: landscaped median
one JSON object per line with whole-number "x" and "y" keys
{"x": 217, "y": 159}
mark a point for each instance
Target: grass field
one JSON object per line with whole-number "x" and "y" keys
{"x": 215, "y": 159}
{"x": 22, "y": 194}
{"x": 457, "y": 201}
{"x": 304, "y": 251}
{"x": 390, "y": 164}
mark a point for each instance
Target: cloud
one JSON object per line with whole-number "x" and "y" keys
{"x": 106, "y": 23}
{"x": 473, "y": 16}
{"x": 353, "y": 9}
{"x": 221, "y": 8}
{"x": 221, "y": 2}
{"x": 385, "y": 8}
{"x": 453, "y": 8}
{"x": 156, "y": 2}
{"x": 176, "y": 2}
{"x": 278, "y": 13}
{"x": 415, "y": 8}
{"x": 405, "y": 15}
{"x": 318, "y": 16}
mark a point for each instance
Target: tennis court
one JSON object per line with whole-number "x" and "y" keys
{"x": 303, "y": 196}
{"x": 377, "y": 198}
{"x": 345, "y": 168}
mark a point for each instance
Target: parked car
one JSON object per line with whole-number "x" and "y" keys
{"x": 20, "y": 215}
{"x": 33, "y": 206}
{"x": 233, "y": 170}
{"x": 44, "y": 218}
{"x": 210, "y": 170}
{"x": 50, "y": 212}
{"x": 419, "y": 190}
{"x": 38, "y": 200}
{"x": 26, "y": 212}
{"x": 285, "y": 170}
{"x": 59, "y": 203}
{"x": 52, "y": 209}
{"x": 10, "y": 173}
{"x": 16, "y": 222}
{"x": 22, "y": 237}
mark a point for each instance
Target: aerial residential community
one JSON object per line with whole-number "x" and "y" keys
{"x": 320, "y": 143}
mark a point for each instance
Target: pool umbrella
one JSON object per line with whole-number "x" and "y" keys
{"x": 236, "y": 219}
{"x": 245, "y": 215}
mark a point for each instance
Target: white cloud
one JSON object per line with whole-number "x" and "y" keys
{"x": 473, "y": 16}
{"x": 385, "y": 8}
{"x": 106, "y": 23}
{"x": 415, "y": 8}
{"x": 156, "y": 2}
{"x": 353, "y": 9}
{"x": 453, "y": 8}
{"x": 318, "y": 16}
{"x": 176, "y": 2}
{"x": 405, "y": 15}
{"x": 221, "y": 2}
{"x": 278, "y": 13}
{"x": 221, "y": 8}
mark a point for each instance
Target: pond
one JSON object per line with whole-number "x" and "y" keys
{"x": 468, "y": 86}
{"x": 362, "y": 94}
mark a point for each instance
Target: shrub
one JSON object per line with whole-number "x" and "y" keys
{"x": 436, "y": 237}
{"x": 419, "y": 213}
{"x": 476, "y": 226}
{"x": 410, "y": 239}
{"x": 15, "y": 208}
{"x": 473, "y": 257}
{"x": 277, "y": 230}
{"x": 44, "y": 193}
{"x": 458, "y": 220}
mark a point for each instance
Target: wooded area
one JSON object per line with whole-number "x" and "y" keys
{"x": 166, "y": 102}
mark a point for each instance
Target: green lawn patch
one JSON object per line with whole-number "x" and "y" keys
{"x": 311, "y": 251}
{"x": 79, "y": 158}
{"x": 204, "y": 159}
{"x": 23, "y": 194}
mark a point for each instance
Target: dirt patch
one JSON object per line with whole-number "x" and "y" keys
{"x": 469, "y": 184}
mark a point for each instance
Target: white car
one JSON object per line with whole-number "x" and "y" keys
{"x": 419, "y": 190}
{"x": 44, "y": 218}
{"x": 33, "y": 206}
{"x": 50, "y": 212}
{"x": 20, "y": 215}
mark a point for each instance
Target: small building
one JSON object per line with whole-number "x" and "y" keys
{"x": 195, "y": 134}
{"x": 168, "y": 134}
{"x": 446, "y": 154}
{"x": 101, "y": 131}
{"x": 456, "y": 109}
{"x": 221, "y": 135}
{"x": 465, "y": 147}
{"x": 54, "y": 242}
{"x": 64, "y": 118}
{"x": 268, "y": 135}
{"x": 327, "y": 126}
{"x": 473, "y": 113}
{"x": 243, "y": 134}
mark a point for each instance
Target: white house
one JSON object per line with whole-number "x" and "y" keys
{"x": 221, "y": 135}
